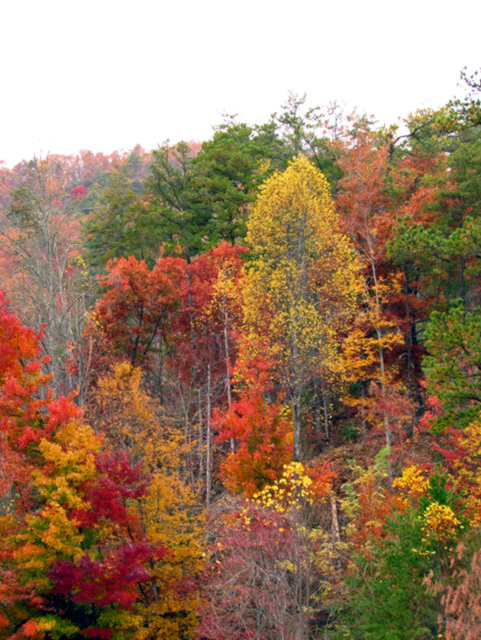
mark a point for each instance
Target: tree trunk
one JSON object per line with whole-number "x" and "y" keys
{"x": 296, "y": 414}
{"x": 208, "y": 461}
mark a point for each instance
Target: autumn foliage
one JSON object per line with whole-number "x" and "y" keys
{"x": 240, "y": 384}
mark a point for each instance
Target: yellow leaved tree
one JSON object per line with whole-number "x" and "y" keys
{"x": 303, "y": 288}
{"x": 131, "y": 421}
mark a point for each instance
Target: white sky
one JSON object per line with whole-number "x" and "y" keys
{"x": 107, "y": 74}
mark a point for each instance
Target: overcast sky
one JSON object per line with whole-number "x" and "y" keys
{"x": 107, "y": 74}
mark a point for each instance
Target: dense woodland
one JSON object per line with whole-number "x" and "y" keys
{"x": 240, "y": 383}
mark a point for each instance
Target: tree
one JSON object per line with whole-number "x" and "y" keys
{"x": 439, "y": 239}
{"x": 74, "y": 553}
{"x": 170, "y": 195}
{"x": 460, "y": 597}
{"x": 123, "y": 223}
{"x": 453, "y": 365}
{"x": 268, "y": 576}
{"x": 204, "y": 347}
{"x": 131, "y": 421}
{"x": 24, "y": 414}
{"x": 80, "y": 551}
{"x": 364, "y": 206}
{"x": 303, "y": 129}
{"x": 225, "y": 174}
{"x": 48, "y": 283}
{"x": 137, "y": 307}
{"x": 301, "y": 289}
{"x": 395, "y": 541}
{"x": 260, "y": 430}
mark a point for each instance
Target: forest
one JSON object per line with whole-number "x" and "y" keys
{"x": 240, "y": 383}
